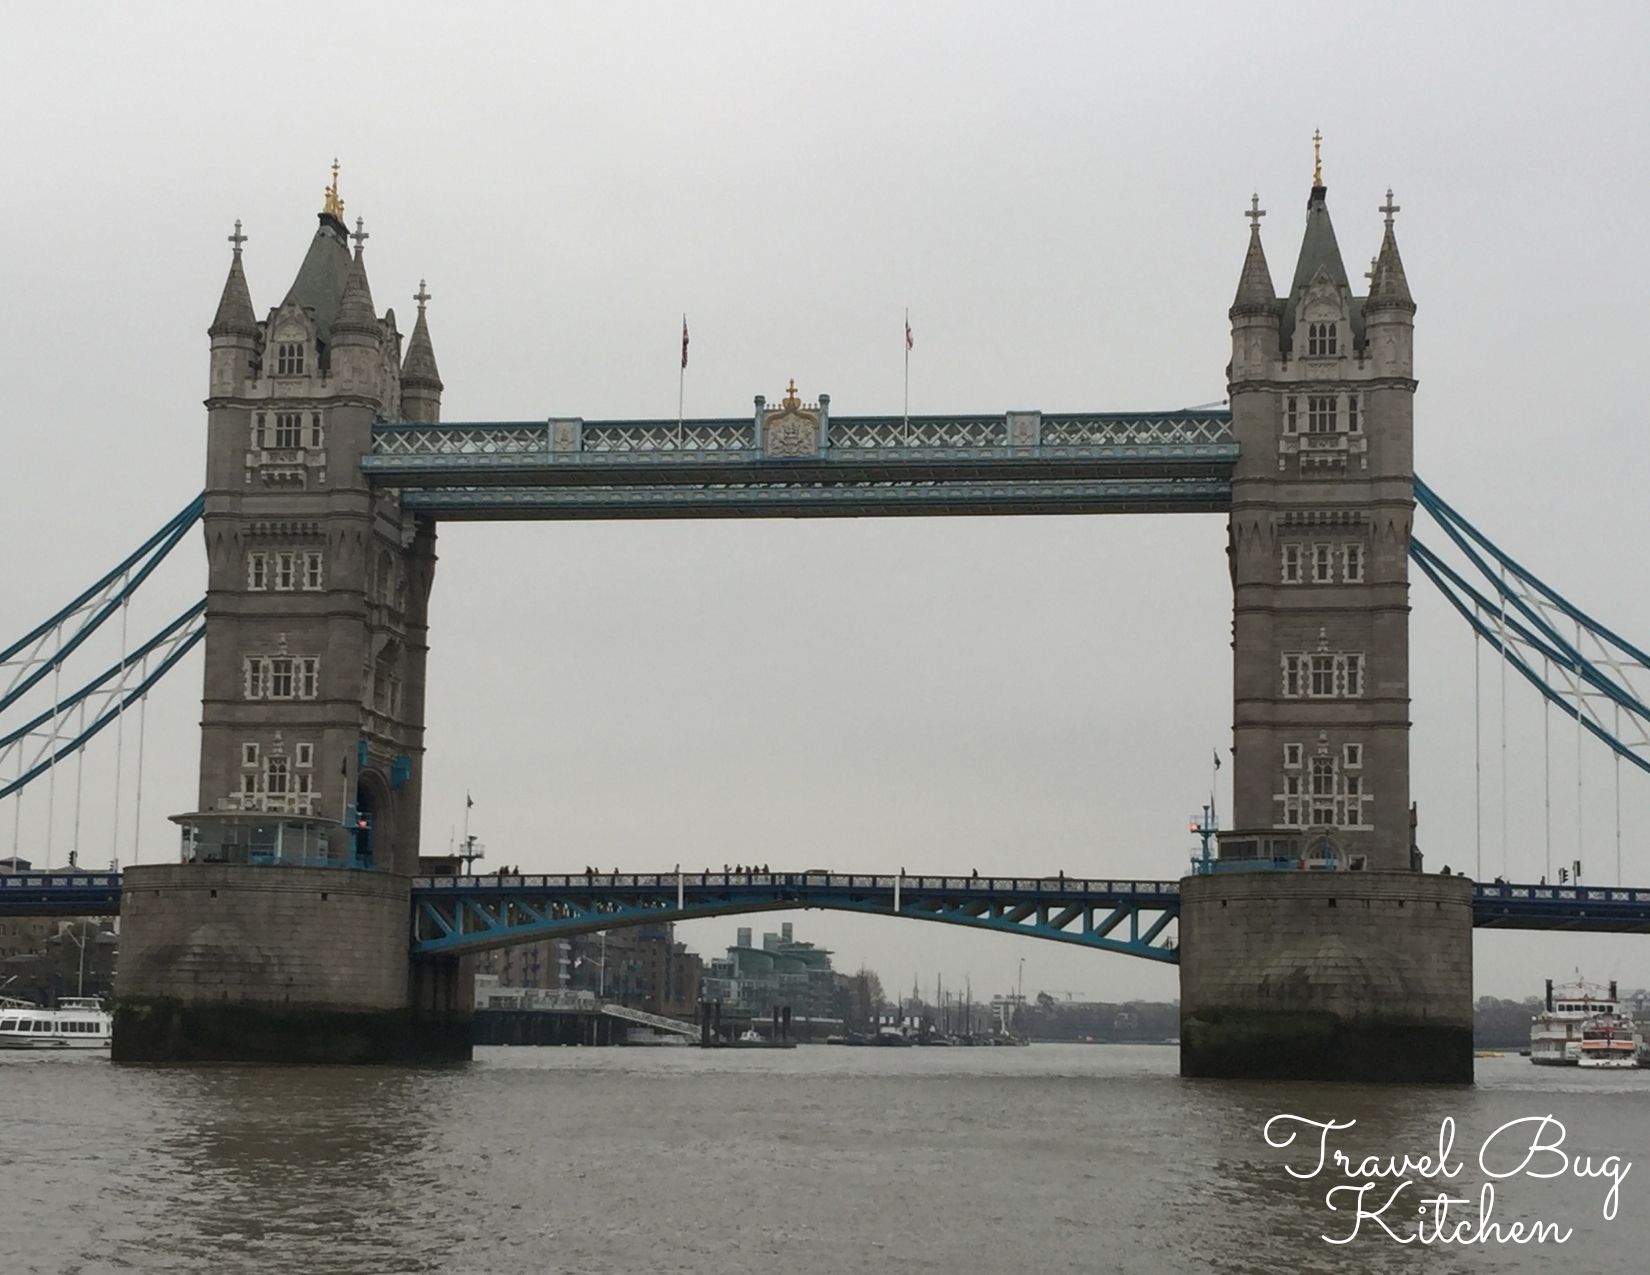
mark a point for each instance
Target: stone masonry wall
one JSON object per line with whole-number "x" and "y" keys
{"x": 1343, "y": 975}
{"x": 214, "y": 933}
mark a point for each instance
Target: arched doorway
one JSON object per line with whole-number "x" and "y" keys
{"x": 372, "y": 841}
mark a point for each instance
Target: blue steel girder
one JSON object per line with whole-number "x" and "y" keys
{"x": 1022, "y": 462}
{"x": 794, "y": 499}
{"x": 1595, "y": 908}
{"x": 455, "y": 915}
{"x": 60, "y": 894}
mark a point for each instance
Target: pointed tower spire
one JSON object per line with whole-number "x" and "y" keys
{"x": 235, "y": 315}
{"x": 1320, "y": 255}
{"x": 420, "y": 381}
{"x": 355, "y": 311}
{"x": 1388, "y": 286}
{"x": 1255, "y": 283}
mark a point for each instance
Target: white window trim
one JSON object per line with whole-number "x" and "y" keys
{"x": 249, "y": 754}
{"x": 1351, "y": 552}
{"x": 1291, "y": 566}
{"x": 301, "y": 673}
{"x": 1344, "y": 669}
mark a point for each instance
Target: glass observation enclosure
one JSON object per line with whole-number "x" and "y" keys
{"x": 260, "y": 838}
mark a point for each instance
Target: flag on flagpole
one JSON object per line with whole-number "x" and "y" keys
{"x": 470, "y": 801}
{"x": 908, "y": 341}
{"x": 1217, "y": 759}
{"x": 684, "y": 341}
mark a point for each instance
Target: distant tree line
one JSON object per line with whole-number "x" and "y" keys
{"x": 1496, "y": 1023}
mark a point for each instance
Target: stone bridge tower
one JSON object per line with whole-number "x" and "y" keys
{"x": 292, "y": 900}
{"x": 1317, "y": 949}
{"x": 1322, "y": 392}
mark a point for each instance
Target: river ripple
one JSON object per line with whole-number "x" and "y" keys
{"x": 1048, "y": 1159}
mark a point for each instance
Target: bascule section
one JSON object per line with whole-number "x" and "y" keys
{"x": 1315, "y": 947}
{"x": 306, "y": 832}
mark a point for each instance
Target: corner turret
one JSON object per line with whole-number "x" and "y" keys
{"x": 1390, "y": 309}
{"x": 234, "y": 329}
{"x": 357, "y": 336}
{"x": 420, "y": 380}
{"x": 1255, "y": 309}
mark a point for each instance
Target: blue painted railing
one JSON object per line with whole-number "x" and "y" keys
{"x": 466, "y": 914}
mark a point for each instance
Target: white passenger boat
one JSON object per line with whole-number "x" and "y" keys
{"x": 1556, "y": 1032}
{"x": 1609, "y": 1040}
{"x": 78, "y": 1022}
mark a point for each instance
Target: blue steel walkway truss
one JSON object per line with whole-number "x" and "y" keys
{"x": 468, "y": 914}
{"x": 1016, "y": 462}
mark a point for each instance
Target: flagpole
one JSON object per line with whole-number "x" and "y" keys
{"x": 908, "y": 375}
{"x": 681, "y": 381}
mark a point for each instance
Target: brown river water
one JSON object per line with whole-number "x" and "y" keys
{"x": 1048, "y": 1159}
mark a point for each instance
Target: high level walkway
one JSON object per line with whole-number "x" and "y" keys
{"x": 1015, "y": 462}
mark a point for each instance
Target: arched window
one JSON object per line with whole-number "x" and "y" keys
{"x": 1321, "y": 340}
{"x": 289, "y": 358}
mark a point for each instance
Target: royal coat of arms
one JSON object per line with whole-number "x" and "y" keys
{"x": 790, "y": 429}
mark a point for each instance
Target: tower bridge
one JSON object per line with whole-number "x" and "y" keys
{"x": 302, "y": 922}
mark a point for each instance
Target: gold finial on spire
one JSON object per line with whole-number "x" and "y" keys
{"x": 333, "y": 206}
{"x": 1317, "y": 158}
{"x": 791, "y": 400}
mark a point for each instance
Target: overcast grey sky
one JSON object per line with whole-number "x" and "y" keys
{"x": 1056, "y": 192}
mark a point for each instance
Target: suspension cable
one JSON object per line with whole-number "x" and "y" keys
{"x": 137, "y": 808}
{"x": 120, "y": 750}
{"x": 1501, "y": 632}
{"x": 1580, "y": 808}
{"x": 51, "y": 769}
{"x": 1618, "y": 798}
{"x": 79, "y": 788}
{"x": 1477, "y": 757}
{"x": 1547, "y": 768}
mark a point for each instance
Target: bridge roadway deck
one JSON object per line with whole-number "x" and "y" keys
{"x": 1014, "y": 462}
{"x": 458, "y": 914}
